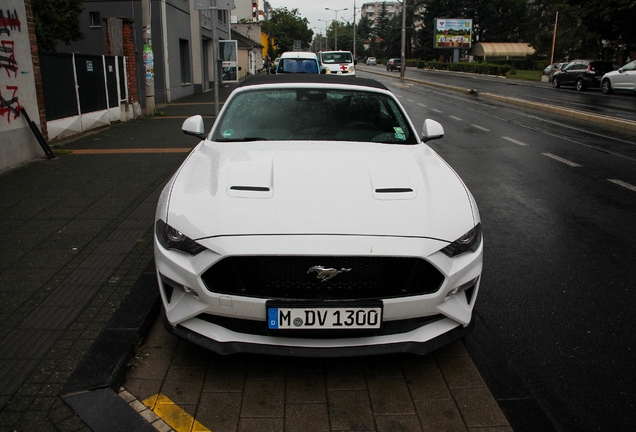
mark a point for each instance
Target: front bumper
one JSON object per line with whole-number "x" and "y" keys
{"x": 400, "y": 345}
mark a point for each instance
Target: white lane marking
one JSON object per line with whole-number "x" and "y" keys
{"x": 421, "y": 104}
{"x": 480, "y": 128}
{"x": 622, "y": 183}
{"x": 512, "y": 140}
{"x": 436, "y": 110}
{"x": 560, "y": 159}
{"x": 456, "y": 118}
{"x": 410, "y": 100}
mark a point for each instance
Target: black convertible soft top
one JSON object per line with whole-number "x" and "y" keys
{"x": 310, "y": 78}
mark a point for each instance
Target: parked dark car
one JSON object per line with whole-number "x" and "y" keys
{"x": 393, "y": 64}
{"x": 582, "y": 74}
{"x": 551, "y": 70}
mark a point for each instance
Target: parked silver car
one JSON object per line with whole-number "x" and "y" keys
{"x": 621, "y": 79}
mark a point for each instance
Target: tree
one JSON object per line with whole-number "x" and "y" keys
{"x": 57, "y": 21}
{"x": 363, "y": 27}
{"x": 287, "y": 26}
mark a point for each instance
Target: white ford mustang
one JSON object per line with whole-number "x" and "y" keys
{"x": 314, "y": 221}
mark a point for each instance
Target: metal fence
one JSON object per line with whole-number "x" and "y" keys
{"x": 77, "y": 84}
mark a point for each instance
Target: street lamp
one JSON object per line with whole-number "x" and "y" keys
{"x": 319, "y": 38}
{"x": 336, "y": 11}
{"x": 326, "y": 34}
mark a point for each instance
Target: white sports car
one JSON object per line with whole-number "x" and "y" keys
{"x": 314, "y": 221}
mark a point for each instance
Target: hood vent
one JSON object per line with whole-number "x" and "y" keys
{"x": 393, "y": 190}
{"x": 394, "y": 193}
{"x": 250, "y": 188}
{"x": 250, "y": 192}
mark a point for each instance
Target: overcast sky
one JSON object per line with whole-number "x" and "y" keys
{"x": 314, "y": 10}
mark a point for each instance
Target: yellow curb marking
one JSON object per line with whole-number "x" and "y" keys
{"x": 131, "y": 151}
{"x": 175, "y": 417}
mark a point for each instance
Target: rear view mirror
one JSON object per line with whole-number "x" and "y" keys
{"x": 194, "y": 126}
{"x": 432, "y": 130}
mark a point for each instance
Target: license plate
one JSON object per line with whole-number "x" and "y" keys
{"x": 323, "y": 318}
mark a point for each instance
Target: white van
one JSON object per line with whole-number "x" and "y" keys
{"x": 298, "y": 62}
{"x": 338, "y": 62}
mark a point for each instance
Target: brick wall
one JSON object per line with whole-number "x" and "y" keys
{"x": 129, "y": 53}
{"x": 36, "y": 69}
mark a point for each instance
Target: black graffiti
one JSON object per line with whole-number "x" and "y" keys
{"x": 10, "y": 106}
{"x": 9, "y": 62}
{"x": 10, "y": 22}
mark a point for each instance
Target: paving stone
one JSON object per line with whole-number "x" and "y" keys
{"x": 386, "y": 366}
{"x": 261, "y": 425}
{"x": 305, "y": 386}
{"x": 306, "y": 417}
{"x": 402, "y": 423}
{"x": 439, "y": 416}
{"x": 460, "y": 372}
{"x": 189, "y": 355}
{"x": 219, "y": 412}
{"x": 479, "y": 408}
{"x": 225, "y": 376}
{"x": 350, "y": 410}
{"x": 390, "y": 396}
{"x": 183, "y": 386}
{"x": 266, "y": 368}
{"x": 426, "y": 383}
{"x": 345, "y": 374}
{"x": 263, "y": 399}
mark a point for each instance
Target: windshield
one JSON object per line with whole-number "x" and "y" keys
{"x": 314, "y": 114}
{"x": 297, "y": 65}
{"x": 337, "y": 57}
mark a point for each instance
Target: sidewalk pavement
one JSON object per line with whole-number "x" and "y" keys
{"x": 78, "y": 294}
{"x": 77, "y": 236}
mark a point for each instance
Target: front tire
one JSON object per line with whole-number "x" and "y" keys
{"x": 580, "y": 85}
{"x": 606, "y": 86}
{"x": 555, "y": 82}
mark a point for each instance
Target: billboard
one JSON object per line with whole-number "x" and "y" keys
{"x": 453, "y": 33}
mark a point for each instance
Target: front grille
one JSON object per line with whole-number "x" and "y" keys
{"x": 286, "y": 277}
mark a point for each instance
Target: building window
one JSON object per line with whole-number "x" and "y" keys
{"x": 96, "y": 20}
{"x": 184, "y": 56}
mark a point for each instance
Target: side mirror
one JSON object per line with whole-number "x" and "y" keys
{"x": 194, "y": 126}
{"x": 432, "y": 130}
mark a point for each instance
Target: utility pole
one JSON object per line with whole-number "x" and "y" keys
{"x": 336, "y": 27}
{"x": 354, "y": 32}
{"x": 149, "y": 66}
{"x": 402, "y": 56}
{"x": 556, "y": 22}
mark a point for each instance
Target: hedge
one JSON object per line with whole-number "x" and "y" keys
{"x": 472, "y": 67}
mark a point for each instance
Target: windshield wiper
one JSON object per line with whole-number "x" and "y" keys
{"x": 241, "y": 139}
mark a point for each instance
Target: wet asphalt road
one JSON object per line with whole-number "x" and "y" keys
{"x": 557, "y": 204}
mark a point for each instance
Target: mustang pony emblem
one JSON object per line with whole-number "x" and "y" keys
{"x": 324, "y": 274}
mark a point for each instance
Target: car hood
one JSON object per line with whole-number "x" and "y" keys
{"x": 333, "y": 188}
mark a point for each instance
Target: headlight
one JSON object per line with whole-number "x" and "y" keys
{"x": 469, "y": 242}
{"x": 170, "y": 238}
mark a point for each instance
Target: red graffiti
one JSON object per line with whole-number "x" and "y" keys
{"x": 10, "y": 22}
{"x": 10, "y": 106}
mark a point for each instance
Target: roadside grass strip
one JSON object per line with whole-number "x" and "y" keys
{"x": 173, "y": 415}
{"x": 512, "y": 140}
{"x": 624, "y": 184}
{"x": 562, "y": 160}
